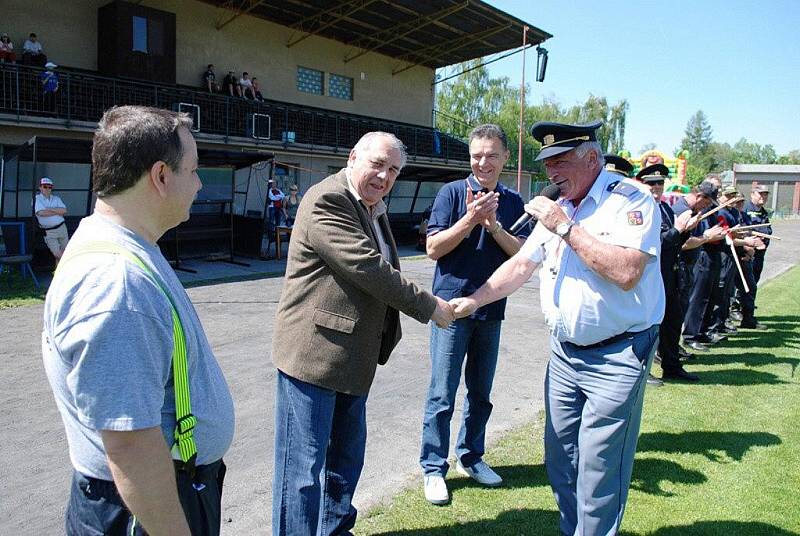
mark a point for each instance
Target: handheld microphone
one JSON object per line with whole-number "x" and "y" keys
{"x": 551, "y": 192}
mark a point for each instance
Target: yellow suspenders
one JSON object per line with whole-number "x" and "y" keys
{"x": 184, "y": 445}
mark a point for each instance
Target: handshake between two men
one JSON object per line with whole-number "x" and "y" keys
{"x": 541, "y": 208}
{"x": 446, "y": 312}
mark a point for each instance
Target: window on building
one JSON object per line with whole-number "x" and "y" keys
{"x": 140, "y": 34}
{"x": 340, "y": 87}
{"x": 310, "y": 80}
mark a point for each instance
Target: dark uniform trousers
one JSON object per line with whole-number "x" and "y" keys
{"x": 747, "y": 300}
{"x": 726, "y": 286}
{"x": 706, "y": 281}
{"x": 758, "y": 264}
{"x": 670, "y": 329}
{"x": 96, "y": 508}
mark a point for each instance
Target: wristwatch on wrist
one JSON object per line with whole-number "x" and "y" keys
{"x": 563, "y": 228}
{"x": 496, "y": 228}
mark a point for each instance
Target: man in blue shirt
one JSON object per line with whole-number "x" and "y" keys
{"x": 467, "y": 237}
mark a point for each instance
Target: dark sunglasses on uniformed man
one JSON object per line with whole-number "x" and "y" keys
{"x": 49, "y": 187}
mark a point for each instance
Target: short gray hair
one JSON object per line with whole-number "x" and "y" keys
{"x": 366, "y": 141}
{"x": 587, "y": 146}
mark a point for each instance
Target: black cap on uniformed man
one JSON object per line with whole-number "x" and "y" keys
{"x": 557, "y": 138}
{"x": 654, "y": 173}
{"x": 617, "y": 164}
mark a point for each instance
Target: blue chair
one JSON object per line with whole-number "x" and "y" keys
{"x": 15, "y": 253}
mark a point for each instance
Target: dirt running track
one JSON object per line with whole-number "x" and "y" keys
{"x": 238, "y": 318}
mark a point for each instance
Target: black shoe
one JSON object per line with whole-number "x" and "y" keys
{"x": 728, "y": 330}
{"x": 696, "y": 346}
{"x": 653, "y": 381}
{"x": 680, "y": 374}
{"x": 712, "y": 337}
{"x": 752, "y": 324}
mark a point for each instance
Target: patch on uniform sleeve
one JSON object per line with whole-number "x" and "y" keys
{"x": 623, "y": 187}
{"x": 635, "y": 217}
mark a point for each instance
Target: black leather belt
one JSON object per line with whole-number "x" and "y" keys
{"x": 613, "y": 340}
{"x": 54, "y": 227}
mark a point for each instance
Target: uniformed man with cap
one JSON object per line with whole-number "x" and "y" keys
{"x": 706, "y": 271}
{"x": 674, "y": 233}
{"x": 748, "y": 248}
{"x": 619, "y": 165}
{"x": 754, "y": 208}
{"x": 723, "y": 292}
{"x": 603, "y": 300}
{"x": 695, "y": 201}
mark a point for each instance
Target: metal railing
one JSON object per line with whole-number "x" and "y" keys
{"x": 84, "y": 97}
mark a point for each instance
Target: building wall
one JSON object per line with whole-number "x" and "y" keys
{"x": 68, "y": 32}
{"x": 784, "y": 189}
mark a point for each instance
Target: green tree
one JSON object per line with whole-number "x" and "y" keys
{"x": 791, "y": 158}
{"x": 474, "y": 98}
{"x": 698, "y": 134}
{"x": 697, "y": 142}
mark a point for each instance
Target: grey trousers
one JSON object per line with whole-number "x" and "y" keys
{"x": 593, "y": 405}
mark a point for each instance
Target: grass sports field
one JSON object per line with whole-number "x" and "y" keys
{"x": 717, "y": 458}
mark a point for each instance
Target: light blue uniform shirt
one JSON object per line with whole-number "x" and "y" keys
{"x": 580, "y": 306}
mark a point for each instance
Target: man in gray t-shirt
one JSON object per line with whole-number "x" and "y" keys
{"x": 108, "y": 343}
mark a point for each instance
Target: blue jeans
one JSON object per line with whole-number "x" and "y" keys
{"x": 593, "y": 407}
{"x": 479, "y": 340}
{"x": 320, "y": 436}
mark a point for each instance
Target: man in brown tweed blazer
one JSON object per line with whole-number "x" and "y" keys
{"x": 338, "y": 318}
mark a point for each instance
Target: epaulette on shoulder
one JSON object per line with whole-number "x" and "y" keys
{"x": 623, "y": 187}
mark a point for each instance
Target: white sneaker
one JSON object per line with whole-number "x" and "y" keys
{"x": 481, "y": 473}
{"x": 436, "y": 490}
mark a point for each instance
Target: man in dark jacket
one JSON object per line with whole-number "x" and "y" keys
{"x": 674, "y": 233}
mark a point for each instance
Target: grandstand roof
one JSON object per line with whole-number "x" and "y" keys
{"x": 434, "y": 33}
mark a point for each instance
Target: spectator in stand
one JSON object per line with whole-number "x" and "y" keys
{"x": 246, "y": 86}
{"x": 32, "y": 53}
{"x": 210, "y": 80}
{"x": 276, "y": 197}
{"x": 257, "y": 90}
{"x": 230, "y": 86}
{"x": 7, "y": 50}
{"x": 49, "y": 80}
{"x": 291, "y": 202}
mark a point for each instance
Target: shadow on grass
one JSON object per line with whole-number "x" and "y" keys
{"x": 737, "y": 377}
{"x": 776, "y": 320}
{"x": 734, "y": 444}
{"x": 514, "y": 477}
{"x": 522, "y": 521}
{"x": 721, "y": 528}
{"x": 749, "y": 359}
{"x": 650, "y": 473}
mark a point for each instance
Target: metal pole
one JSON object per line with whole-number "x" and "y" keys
{"x": 521, "y": 113}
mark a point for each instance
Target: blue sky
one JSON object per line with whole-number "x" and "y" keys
{"x": 737, "y": 60}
